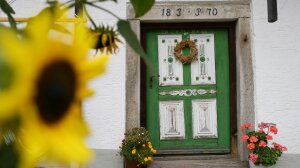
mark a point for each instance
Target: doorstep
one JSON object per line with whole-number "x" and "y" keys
{"x": 198, "y": 161}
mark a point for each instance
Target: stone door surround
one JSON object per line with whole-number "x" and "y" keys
{"x": 237, "y": 11}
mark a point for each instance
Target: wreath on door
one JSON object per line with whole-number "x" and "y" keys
{"x": 186, "y": 59}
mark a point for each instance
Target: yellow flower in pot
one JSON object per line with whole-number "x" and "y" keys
{"x": 134, "y": 148}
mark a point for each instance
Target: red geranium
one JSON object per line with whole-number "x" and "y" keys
{"x": 273, "y": 129}
{"x": 253, "y": 157}
{"x": 257, "y": 143}
{"x": 251, "y": 146}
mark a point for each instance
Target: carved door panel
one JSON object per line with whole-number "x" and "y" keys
{"x": 188, "y": 104}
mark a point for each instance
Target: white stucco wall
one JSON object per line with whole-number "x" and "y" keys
{"x": 277, "y": 67}
{"x": 105, "y": 112}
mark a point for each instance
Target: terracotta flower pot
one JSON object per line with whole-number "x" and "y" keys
{"x": 132, "y": 164}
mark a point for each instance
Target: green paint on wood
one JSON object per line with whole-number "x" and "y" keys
{"x": 222, "y": 94}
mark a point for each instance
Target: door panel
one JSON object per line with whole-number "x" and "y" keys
{"x": 188, "y": 104}
{"x": 171, "y": 114}
{"x": 170, "y": 69}
{"x": 203, "y": 69}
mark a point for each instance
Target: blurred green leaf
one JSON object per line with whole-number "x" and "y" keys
{"x": 6, "y": 77}
{"x": 8, "y": 10}
{"x": 141, "y": 7}
{"x": 5, "y": 7}
{"x": 8, "y": 156}
{"x": 125, "y": 30}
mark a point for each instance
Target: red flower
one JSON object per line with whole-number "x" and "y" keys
{"x": 253, "y": 157}
{"x": 253, "y": 139}
{"x": 262, "y": 125}
{"x": 273, "y": 129}
{"x": 262, "y": 143}
{"x": 284, "y": 148}
{"x": 277, "y": 146}
{"x": 251, "y": 146}
{"x": 245, "y": 125}
{"x": 261, "y": 131}
{"x": 269, "y": 137}
{"x": 244, "y": 137}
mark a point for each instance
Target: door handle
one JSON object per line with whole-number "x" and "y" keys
{"x": 151, "y": 80}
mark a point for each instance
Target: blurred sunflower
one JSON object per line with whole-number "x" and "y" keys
{"x": 52, "y": 126}
{"x": 106, "y": 39}
{"x": 14, "y": 74}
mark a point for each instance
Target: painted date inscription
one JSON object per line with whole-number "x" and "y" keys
{"x": 197, "y": 11}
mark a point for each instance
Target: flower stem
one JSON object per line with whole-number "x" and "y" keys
{"x": 89, "y": 17}
{"x": 99, "y": 7}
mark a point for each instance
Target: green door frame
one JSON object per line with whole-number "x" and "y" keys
{"x": 230, "y": 26}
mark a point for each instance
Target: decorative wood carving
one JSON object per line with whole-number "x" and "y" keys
{"x": 187, "y": 92}
{"x": 204, "y": 118}
{"x": 203, "y": 69}
{"x": 170, "y": 69}
{"x": 171, "y": 114}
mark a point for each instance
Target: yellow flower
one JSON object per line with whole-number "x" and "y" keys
{"x": 150, "y": 158}
{"x": 15, "y": 74}
{"x": 106, "y": 39}
{"x": 153, "y": 151}
{"x": 52, "y": 124}
{"x": 145, "y": 159}
{"x": 150, "y": 146}
{"x": 133, "y": 151}
{"x": 149, "y": 143}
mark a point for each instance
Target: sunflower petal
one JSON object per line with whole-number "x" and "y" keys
{"x": 95, "y": 67}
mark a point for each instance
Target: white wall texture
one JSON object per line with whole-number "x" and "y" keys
{"x": 105, "y": 112}
{"x": 277, "y": 67}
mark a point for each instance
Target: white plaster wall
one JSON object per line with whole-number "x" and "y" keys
{"x": 105, "y": 112}
{"x": 277, "y": 69}
{"x": 25, "y": 8}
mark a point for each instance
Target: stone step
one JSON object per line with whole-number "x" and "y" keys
{"x": 202, "y": 161}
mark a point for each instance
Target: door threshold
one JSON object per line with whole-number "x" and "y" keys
{"x": 194, "y": 157}
{"x": 191, "y": 151}
{"x": 197, "y": 161}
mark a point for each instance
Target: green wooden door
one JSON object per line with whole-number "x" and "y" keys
{"x": 188, "y": 104}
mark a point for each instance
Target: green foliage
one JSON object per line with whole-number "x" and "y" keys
{"x": 8, "y": 154}
{"x": 7, "y": 75}
{"x": 141, "y": 7}
{"x": 8, "y": 10}
{"x": 125, "y": 30}
{"x": 267, "y": 156}
{"x": 137, "y": 146}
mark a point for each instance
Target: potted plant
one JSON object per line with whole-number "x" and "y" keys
{"x": 264, "y": 152}
{"x": 136, "y": 148}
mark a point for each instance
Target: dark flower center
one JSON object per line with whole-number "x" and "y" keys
{"x": 55, "y": 91}
{"x": 99, "y": 43}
